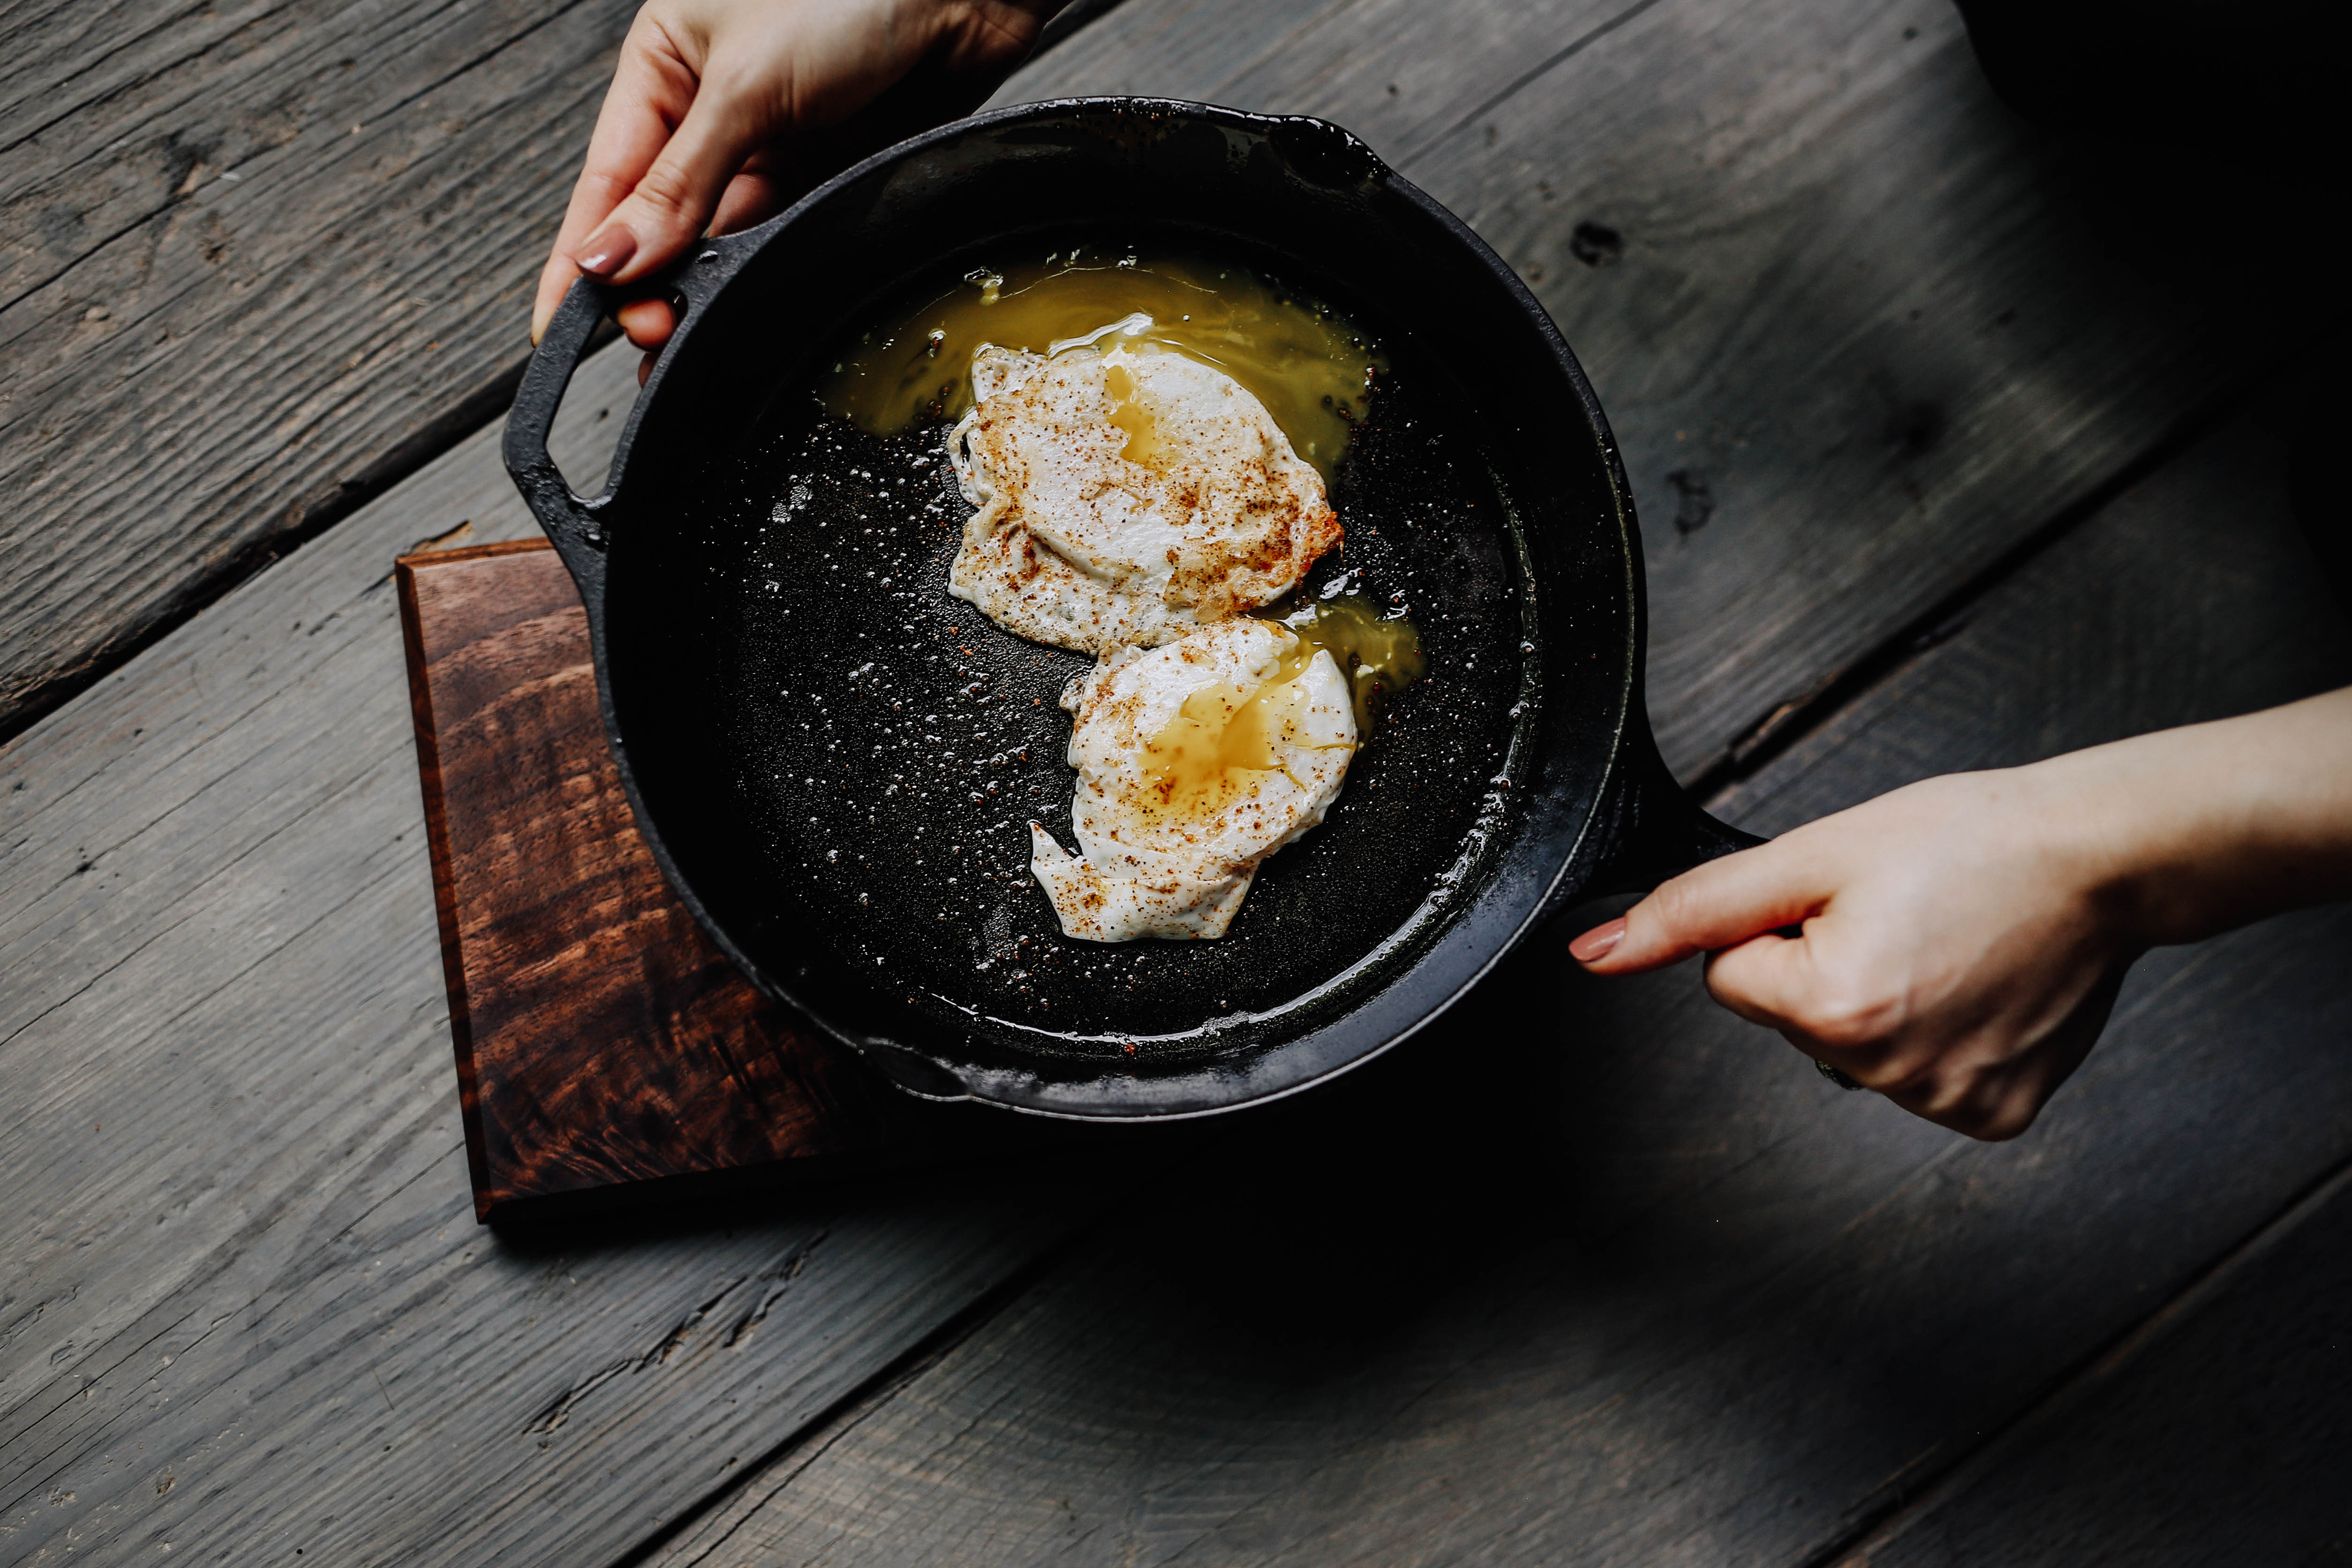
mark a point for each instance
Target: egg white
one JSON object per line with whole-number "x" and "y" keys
{"x": 1072, "y": 544}
{"x": 1142, "y": 871}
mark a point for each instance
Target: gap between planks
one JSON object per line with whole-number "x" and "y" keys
{"x": 838, "y": 1419}
{"x": 1774, "y": 733}
{"x": 2075, "y": 1385}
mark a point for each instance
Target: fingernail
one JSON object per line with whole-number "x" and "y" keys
{"x": 607, "y": 251}
{"x": 1598, "y": 942}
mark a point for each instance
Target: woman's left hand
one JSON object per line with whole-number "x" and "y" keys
{"x": 721, "y": 111}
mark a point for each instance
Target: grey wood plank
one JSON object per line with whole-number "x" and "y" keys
{"x": 244, "y": 1309}
{"x": 255, "y": 257}
{"x": 1597, "y": 1274}
{"x": 2221, "y": 1436}
{"x": 246, "y": 823}
{"x": 1861, "y": 334}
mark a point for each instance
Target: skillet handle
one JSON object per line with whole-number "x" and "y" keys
{"x": 573, "y": 524}
{"x": 576, "y": 524}
{"x": 1658, "y": 831}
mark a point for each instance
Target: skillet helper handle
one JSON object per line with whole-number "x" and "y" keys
{"x": 1659, "y": 831}
{"x": 572, "y": 524}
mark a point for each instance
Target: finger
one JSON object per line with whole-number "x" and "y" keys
{"x": 554, "y": 281}
{"x": 671, "y": 205}
{"x": 1770, "y": 980}
{"x": 647, "y": 322}
{"x": 1780, "y": 983}
{"x": 752, "y": 198}
{"x": 1991, "y": 1107}
{"x": 1718, "y": 905}
{"x": 878, "y": 96}
{"x": 652, "y": 89}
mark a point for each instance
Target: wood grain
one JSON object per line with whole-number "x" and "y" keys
{"x": 603, "y": 1041}
{"x": 257, "y": 261}
{"x": 215, "y": 948}
{"x": 258, "y": 257}
{"x": 1859, "y": 332}
{"x": 2218, "y": 1436}
{"x": 239, "y": 1250}
{"x": 1652, "y": 1291}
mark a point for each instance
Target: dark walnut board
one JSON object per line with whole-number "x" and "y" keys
{"x": 605, "y": 1046}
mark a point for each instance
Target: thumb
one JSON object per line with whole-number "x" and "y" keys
{"x": 671, "y": 205}
{"x": 1718, "y": 905}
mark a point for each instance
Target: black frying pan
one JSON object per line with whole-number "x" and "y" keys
{"x": 835, "y": 762}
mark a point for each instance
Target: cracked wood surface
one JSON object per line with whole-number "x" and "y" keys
{"x": 253, "y": 256}
{"x": 1857, "y": 330}
{"x": 1648, "y": 1289}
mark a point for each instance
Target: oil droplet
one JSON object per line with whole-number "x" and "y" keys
{"x": 1310, "y": 366}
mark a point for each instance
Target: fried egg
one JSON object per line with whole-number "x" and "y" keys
{"x": 1196, "y": 760}
{"x": 1125, "y": 495}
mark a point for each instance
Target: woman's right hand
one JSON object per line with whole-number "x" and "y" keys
{"x": 1958, "y": 941}
{"x": 1954, "y": 945}
{"x": 722, "y": 111}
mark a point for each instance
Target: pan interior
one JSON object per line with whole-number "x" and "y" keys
{"x": 886, "y": 745}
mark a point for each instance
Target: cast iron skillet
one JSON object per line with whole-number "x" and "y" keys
{"x": 835, "y": 762}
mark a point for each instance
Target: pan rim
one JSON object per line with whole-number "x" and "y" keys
{"x": 1275, "y": 1069}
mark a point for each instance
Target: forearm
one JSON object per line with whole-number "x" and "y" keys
{"x": 2193, "y": 831}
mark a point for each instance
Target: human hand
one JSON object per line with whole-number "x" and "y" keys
{"x": 1957, "y": 953}
{"x": 1962, "y": 939}
{"x": 723, "y": 111}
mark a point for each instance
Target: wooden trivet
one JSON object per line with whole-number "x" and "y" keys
{"x": 604, "y": 1042}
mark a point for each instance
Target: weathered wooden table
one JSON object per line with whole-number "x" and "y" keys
{"x": 1955, "y": 450}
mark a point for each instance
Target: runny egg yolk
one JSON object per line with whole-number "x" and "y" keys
{"x": 1310, "y": 368}
{"x": 1204, "y": 756}
{"x": 1199, "y": 758}
{"x": 1130, "y": 414}
{"x": 1379, "y": 654}
{"x": 1196, "y": 760}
